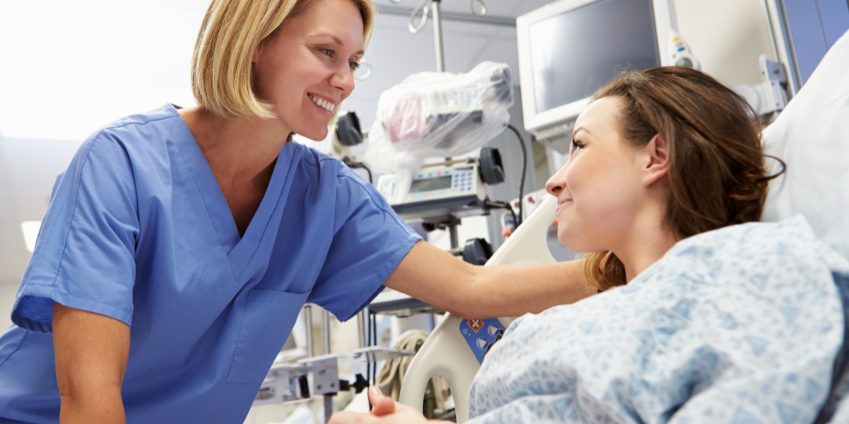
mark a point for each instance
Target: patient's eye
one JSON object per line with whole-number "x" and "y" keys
{"x": 576, "y": 145}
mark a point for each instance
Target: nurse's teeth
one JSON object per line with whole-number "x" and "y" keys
{"x": 323, "y": 103}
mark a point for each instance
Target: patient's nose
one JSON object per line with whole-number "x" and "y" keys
{"x": 554, "y": 185}
{"x": 557, "y": 182}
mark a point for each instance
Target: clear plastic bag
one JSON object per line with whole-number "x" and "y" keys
{"x": 437, "y": 114}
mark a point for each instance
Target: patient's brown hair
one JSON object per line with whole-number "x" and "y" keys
{"x": 716, "y": 159}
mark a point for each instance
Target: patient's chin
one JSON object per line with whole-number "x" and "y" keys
{"x": 573, "y": 242}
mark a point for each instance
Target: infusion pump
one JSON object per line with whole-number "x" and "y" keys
{"x": 436, "y": 189}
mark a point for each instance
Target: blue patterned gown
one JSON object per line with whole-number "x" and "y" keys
{"x": 741, "y": 325}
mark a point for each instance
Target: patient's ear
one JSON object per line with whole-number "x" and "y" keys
{"x": 656, "y": 160}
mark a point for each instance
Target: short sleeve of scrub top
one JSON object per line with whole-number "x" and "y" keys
{"x": 369, "y": 243}
{"x": 92, "y": 224}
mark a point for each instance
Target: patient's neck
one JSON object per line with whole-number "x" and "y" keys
{"x": 645, "y": 245}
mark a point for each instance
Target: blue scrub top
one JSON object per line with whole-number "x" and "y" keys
{"x": 139, "y": 230}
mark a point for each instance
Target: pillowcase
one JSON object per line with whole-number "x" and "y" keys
{"x": 811, "y": 136}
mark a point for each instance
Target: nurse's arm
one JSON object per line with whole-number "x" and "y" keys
{"x": 439, "y": 279}
{"x": 91, "y": 358}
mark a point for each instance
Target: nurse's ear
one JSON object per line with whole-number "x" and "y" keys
{"x": 655, "y": 159}
{"x": 257, "y": 52}
{"x": 268, "y": 39}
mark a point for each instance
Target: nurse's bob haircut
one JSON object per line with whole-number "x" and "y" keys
{"x": 222, "y": 72}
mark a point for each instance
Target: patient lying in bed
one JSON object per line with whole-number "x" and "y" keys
{"x": 718, "y": 322}
{"x": 738, "y": 325}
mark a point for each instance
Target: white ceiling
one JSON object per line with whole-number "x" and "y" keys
{"x": 67, "y": 68}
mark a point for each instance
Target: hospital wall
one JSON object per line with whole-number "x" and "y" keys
{"x": 727, "y": 36}
{"x": 7, "y": 298}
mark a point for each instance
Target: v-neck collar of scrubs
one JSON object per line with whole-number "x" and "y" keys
{"x": 239, "y": 248}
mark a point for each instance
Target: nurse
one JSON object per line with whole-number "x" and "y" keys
{"x": 180, "y": 244}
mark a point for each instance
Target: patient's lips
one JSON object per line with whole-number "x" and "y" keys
{"x": 562, "y": 203}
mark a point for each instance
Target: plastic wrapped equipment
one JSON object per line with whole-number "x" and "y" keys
{"x": 438, "y": 114}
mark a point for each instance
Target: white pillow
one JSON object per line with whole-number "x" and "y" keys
{"x": 812, "y": 136}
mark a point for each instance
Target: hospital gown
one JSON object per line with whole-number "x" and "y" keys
{"x": 739, "y": 325}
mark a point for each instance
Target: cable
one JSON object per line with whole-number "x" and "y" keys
{"x": 353, "y": 164}
{"x": 524, "y": 171}
{"x": 501, "y": 205}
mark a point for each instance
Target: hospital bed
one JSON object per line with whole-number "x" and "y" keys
{"x": 811, "y": 136}
{"x": 446, "y": 353}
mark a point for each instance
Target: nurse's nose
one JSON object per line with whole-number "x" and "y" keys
{"x": 343, "y": 79}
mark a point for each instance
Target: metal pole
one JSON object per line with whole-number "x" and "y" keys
{"x": 437, "y": 38}
{"x": 437, "y": 35}
{"x": 448, "y": 15}
{"x": 325, "y": 330}
{"x": 452, "y": 231}
{"x": 307, "y": 312}
{"x": 328, "y": 407}
{"x": 361, "y": 327}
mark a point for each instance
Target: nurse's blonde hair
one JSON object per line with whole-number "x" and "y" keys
{"x": 222, "y": 71}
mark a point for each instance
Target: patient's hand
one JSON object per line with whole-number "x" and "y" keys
{"x": 384, "y": 410}
{"x": 380, "y": 404}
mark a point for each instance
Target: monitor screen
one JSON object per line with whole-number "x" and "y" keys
{"x": 430, "y": 184}
{"x": 568, "y": 49}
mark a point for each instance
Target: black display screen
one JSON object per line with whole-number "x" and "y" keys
{"x": 430, "y": 184}
{"x": 580, "y": 50}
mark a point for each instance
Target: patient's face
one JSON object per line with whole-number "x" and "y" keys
{"x": 598, "y": 190}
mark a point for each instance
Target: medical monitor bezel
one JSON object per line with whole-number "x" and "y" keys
{"x": 537, "y": 122}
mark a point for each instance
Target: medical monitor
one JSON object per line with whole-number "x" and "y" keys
{"x": 570, "y": 48}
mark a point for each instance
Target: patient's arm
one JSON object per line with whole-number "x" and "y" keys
{"x": 403, "y": 415}
{"x": 438, "y": 278}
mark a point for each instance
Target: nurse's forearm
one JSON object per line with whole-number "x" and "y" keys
{"x": 91, "y": 354}
{"x": 104, "y": 407}
{"x": 511, "y": 290}
{"x": 437, "y": 278}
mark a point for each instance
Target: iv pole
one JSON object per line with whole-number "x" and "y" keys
{"x": 440, "y": 67}
{"x": 437, "y": 35}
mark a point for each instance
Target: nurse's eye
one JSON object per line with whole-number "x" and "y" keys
{"x": 327, "y": 52}
{"x": 354, "y": 65}
{"x": 576, "y": 145}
